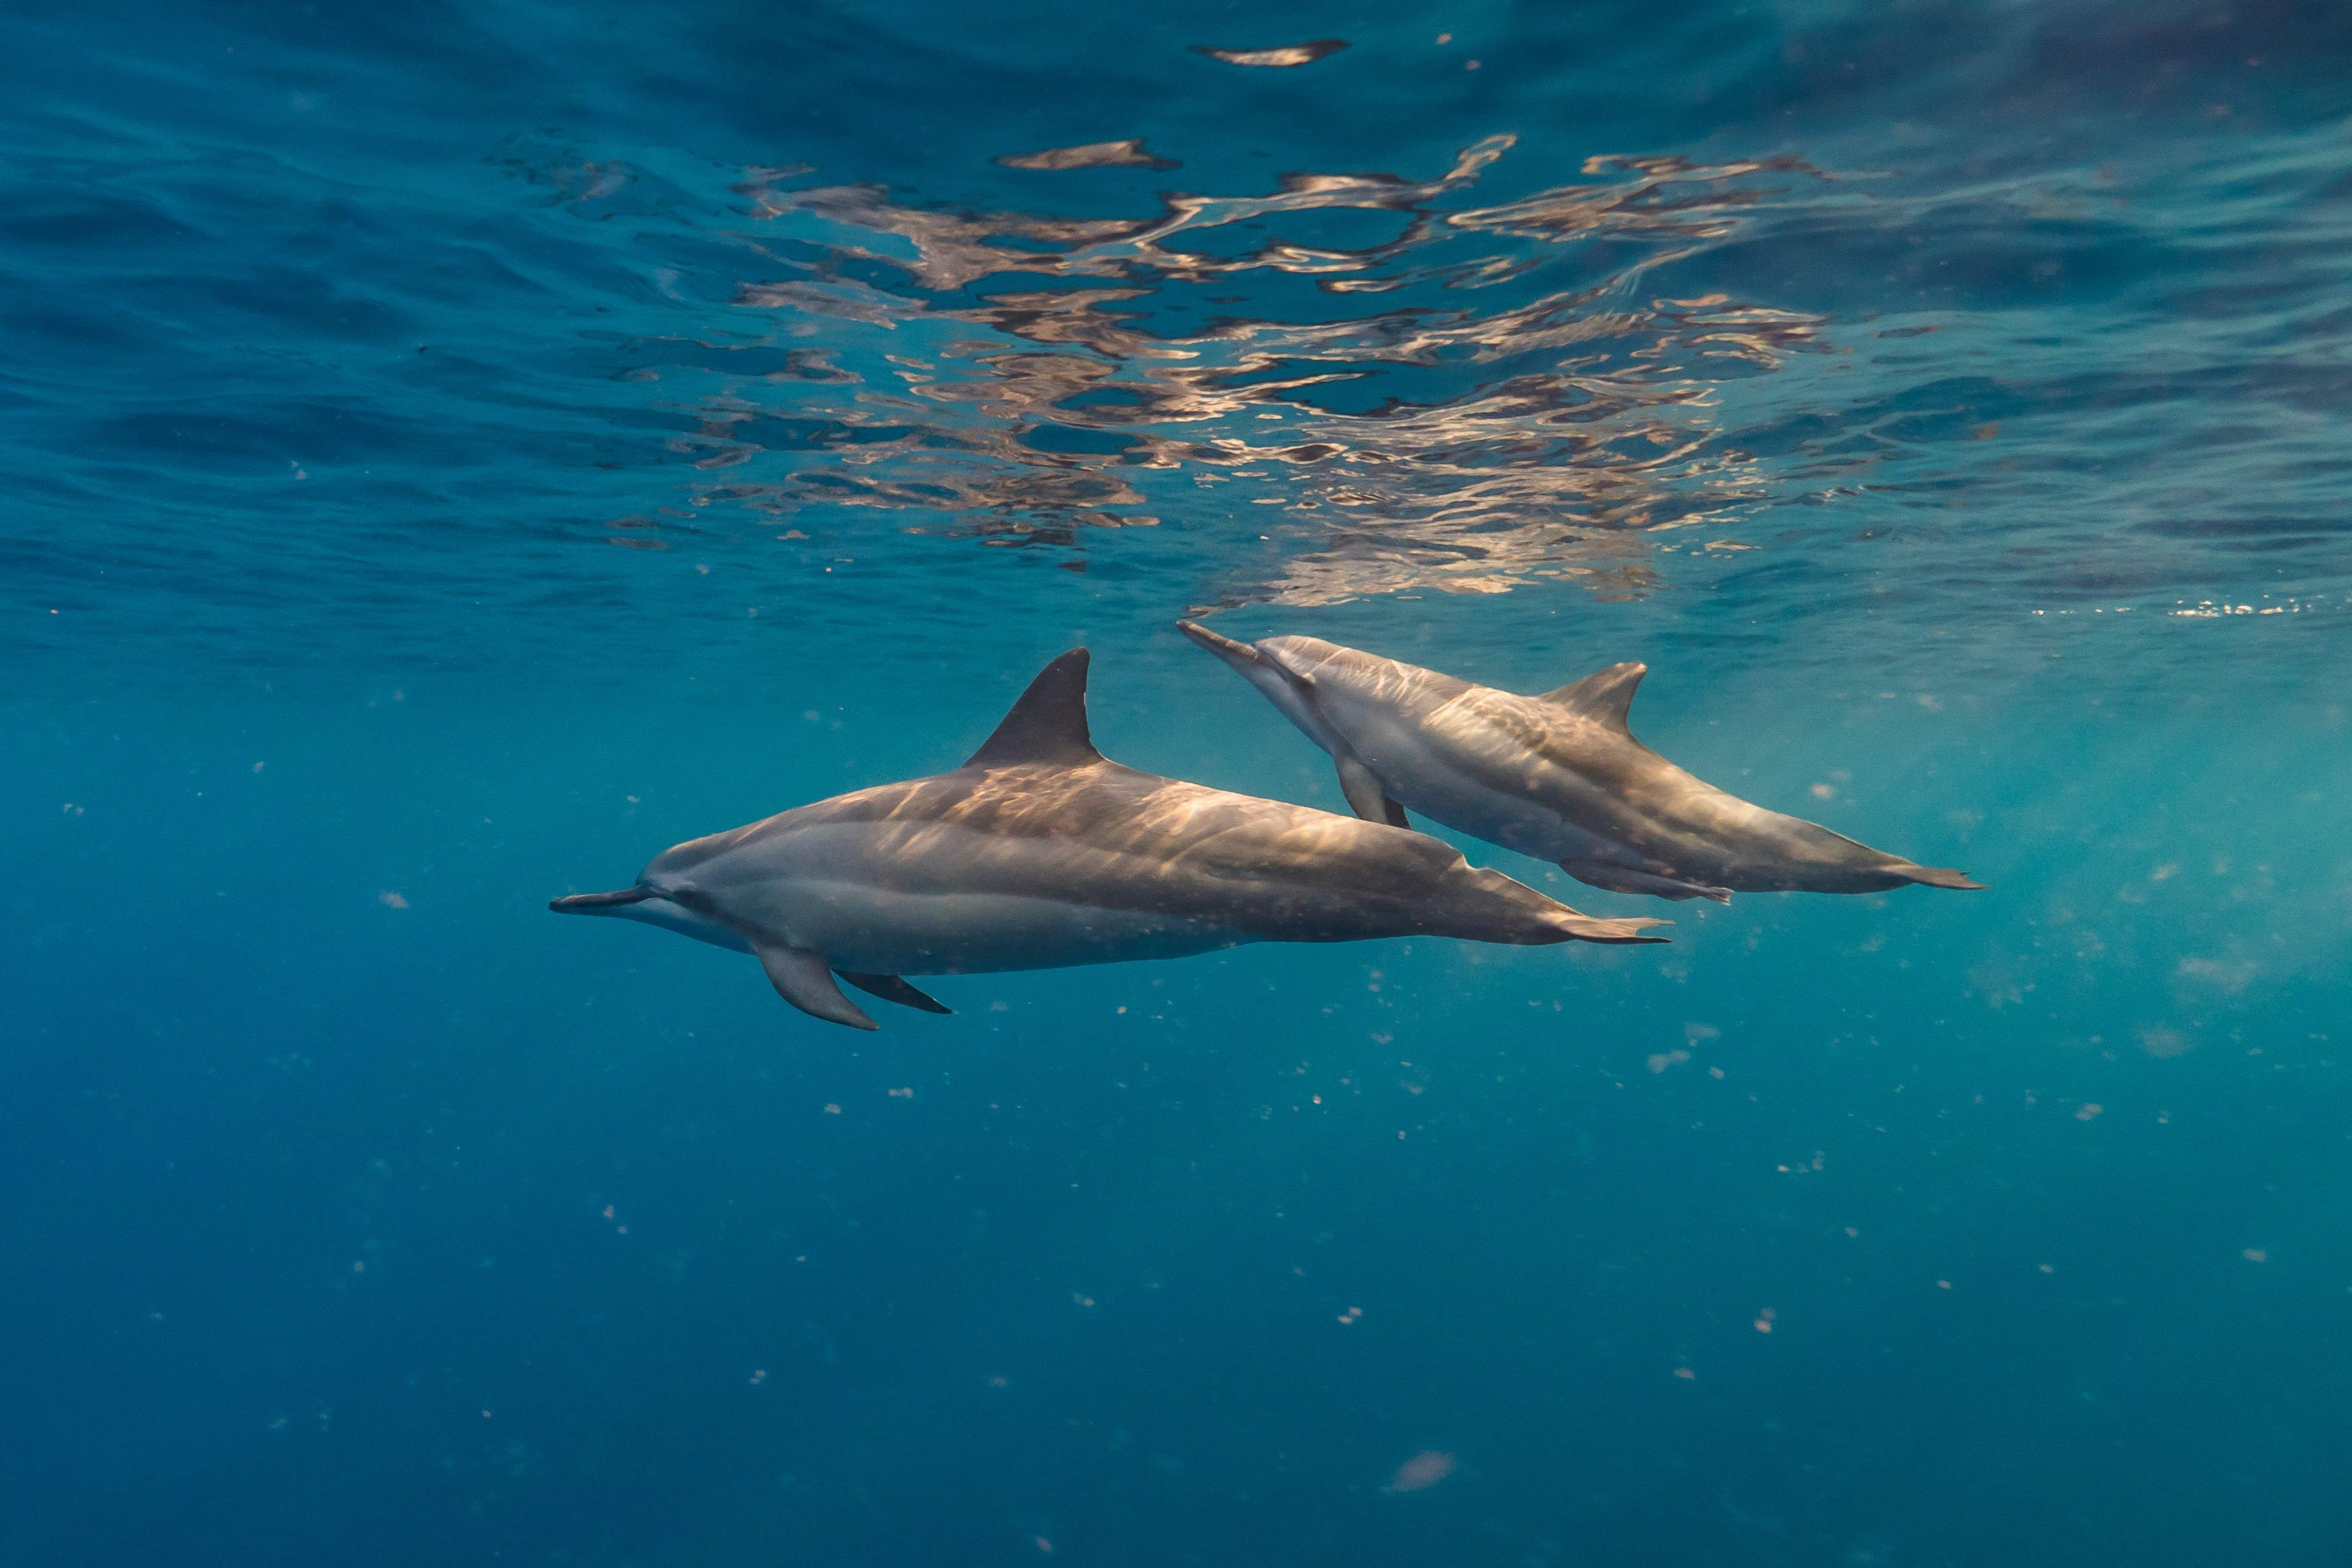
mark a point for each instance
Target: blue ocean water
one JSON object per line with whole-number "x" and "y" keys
{"x": 454, "y": 452}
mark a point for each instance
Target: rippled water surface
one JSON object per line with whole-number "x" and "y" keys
{"x": 454, "y": 452}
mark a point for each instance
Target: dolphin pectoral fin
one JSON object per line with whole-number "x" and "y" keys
{"x": 1625, "y": 879}
{"x": 892, "y": 988}
{"x": 1367, "y": 796}
{"x": 801, "y": 979}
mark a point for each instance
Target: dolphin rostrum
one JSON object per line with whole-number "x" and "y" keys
{"x": 1558, "y": 777}
{"x": 1038, "y": 852}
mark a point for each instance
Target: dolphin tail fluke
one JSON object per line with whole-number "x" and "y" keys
{"x": 1537, "y": 919}
{"x": 1580, "y": 928}
{"x": 801, "y": 979}
{"x": 1938, "y": 877}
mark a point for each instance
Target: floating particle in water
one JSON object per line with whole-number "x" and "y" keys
{"x": 758, "y": 1375}
{"x": 1765, "y": 1317}
{"x": 1422, "y": 1471}
{"x": 2228, "y": 976}
{"x": 1686, "y": 1373}
{"x": 831, "y": 1109}
{"x": 392, "y": 900}
{"x": 1662, "y": 1059}
{"x": 2256, "y": 1255}
{"x": 1824, "y": 791}
{"x": 2163, "y": 1043}
{"x": 1283, "y": 58}
{"x": 1045, "y": 1546}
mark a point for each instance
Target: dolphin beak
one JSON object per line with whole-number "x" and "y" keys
{"x": 598, "y": 903}
{"x": 1240, "y": 656}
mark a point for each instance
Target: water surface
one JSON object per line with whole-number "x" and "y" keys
{"x": 455, "y": 452}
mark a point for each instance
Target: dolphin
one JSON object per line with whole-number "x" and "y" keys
{"x": 1038, "y": 852}
{"x": 1558, "y": 777}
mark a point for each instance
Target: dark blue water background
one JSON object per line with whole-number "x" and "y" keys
{"x": 453, "y": 452}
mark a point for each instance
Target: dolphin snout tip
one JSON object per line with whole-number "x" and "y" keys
{"x": 1225, "y": 648}
{"x": 597, "y": 903}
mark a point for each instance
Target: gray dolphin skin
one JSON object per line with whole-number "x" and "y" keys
{"x": 1039, "y": 854}
{"x": 1558, "y": 777}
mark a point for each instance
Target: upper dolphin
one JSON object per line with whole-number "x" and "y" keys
{"x": 1558, "y": 777}
{"x": 1038, "y": 852}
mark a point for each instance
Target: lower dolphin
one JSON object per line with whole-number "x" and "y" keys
{"x": 1558, "y": 777}
{"x": 1039, "y": 852}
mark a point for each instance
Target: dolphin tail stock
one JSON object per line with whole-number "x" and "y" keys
{"x": 1937, "y": 876}
{"x": 1541, "y": 920}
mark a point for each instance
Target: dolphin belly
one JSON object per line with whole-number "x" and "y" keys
{"x": 888, "y": 931}
{"x": 1421, "y": 777}
{"x": 1620, "y": 818}
{"x": 670, "y": 917}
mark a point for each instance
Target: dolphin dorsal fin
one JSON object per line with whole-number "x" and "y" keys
{"x": 1606, "y": 695}
{"x": 1048, "y": 724}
